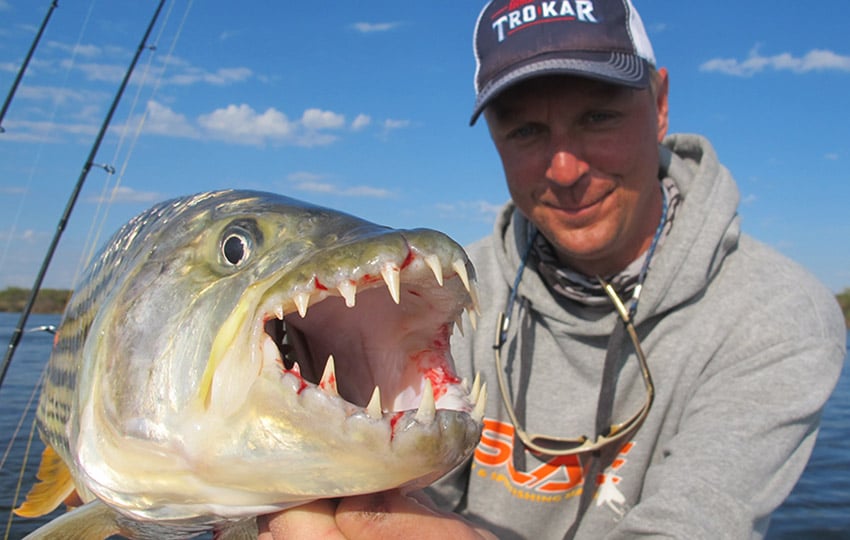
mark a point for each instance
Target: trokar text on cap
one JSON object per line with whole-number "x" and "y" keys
{"x": 543, "y": 12}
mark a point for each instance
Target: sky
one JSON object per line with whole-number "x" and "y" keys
{"x": 364, "y": 107}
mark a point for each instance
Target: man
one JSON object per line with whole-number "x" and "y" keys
{"x": 699, "y": 395}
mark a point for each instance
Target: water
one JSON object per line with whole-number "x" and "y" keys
{"x": 17, "y": 390}
{"x": 818, "y": 508}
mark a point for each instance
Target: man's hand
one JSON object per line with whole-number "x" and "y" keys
{"x": 381, "y": 515}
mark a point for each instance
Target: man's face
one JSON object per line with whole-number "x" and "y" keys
{"x": 581, "y": 162}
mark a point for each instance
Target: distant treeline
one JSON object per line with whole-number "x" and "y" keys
{"x": 844, "y": 302}
{"x": 53, "y": 301}
{"x": 14, "y": 299}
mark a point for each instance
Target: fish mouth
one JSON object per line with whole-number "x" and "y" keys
{"x": 376, "y": 335}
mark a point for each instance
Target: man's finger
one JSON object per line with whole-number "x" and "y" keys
{"x": 313, "y": 520}
{"x": 392, "y": 515}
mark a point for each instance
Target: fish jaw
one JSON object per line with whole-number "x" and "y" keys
{"x": 272, "y": 426}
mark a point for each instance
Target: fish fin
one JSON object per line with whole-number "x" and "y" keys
{"x": 54, "y": 486}
{"x": 245, "y": 529}
{"x": 92, "y": 521}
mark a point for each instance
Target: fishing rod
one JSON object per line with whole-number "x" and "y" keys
{"x": 24, "y": 65}
{"x": 72, "y": 200}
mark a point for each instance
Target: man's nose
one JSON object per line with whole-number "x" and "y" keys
{"x": 566, "y": 167}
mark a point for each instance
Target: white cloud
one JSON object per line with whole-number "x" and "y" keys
{"x": 228, "y": 34}
{"x": 317, "y": 183}
{"x": 478, "y": 211}
{"x": 123, "y": 194}
{"x": 90, "y": 112}
{"x": 389, "y": 124}
{"x": 310, "y": 139}
{"x": 305, "y": 176}
{"x": 367, "y": 191}
{"x": 354, "y": 191}
{"x": 161, "y": 120}
{"x": 224, "y": 76}
{"x": 86, "y": 51}
{"x": 61, "y": 96}
{"x": 369, "y": 28}
{"x": 86, "y": 109}
{"x": 31, "y": 131}
{"x": 361, "y": 122}
{"x": 832, "y": 156}
{"x": 179, "y": 71}
{"x": 29, "y": 236}
{"x": 97, "y": 71}
{"x": 314, "y": 186}
{"x": 814, "y": 60}
{"x": 316, "y": 119}
{"x": 220, "y": 77}
{"x": 242, "y": 124}
{"x": 236, "y": 124}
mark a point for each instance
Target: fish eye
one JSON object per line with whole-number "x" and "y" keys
{"x": 238, "y": 242}
{"x": 235, "y": 248}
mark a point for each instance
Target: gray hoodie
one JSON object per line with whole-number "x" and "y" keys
{"x": 744, "y": 347}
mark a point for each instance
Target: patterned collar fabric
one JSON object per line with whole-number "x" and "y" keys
{"x": 586, "y": 289}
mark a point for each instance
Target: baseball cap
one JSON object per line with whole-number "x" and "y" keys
{"x": 516, "y": 40}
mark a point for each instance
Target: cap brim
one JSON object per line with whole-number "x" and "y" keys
{"x": 617, "y": 68}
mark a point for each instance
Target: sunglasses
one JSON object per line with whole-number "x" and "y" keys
{"x": 559, "y": 446}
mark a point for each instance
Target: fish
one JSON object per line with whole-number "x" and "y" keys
{"x": 233, "y": 353}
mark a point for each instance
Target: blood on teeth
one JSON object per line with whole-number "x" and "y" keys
{"x": 328, "y": 382}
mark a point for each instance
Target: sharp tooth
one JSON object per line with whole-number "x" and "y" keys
{"x": 476, "y": 388}
{"x": 328, "y": 382}
{"x": 459, "y": 323}
{"x": 478, "y": 412}
{"x": 427, "y": 409}
{"x": 459, "y": 266}
{"x": 348, "y": 290}
{"x": 373, "y": 409}
{"x": 278, "y": 312}
{"x": 391, "y": 274}
{"x": 302, "y": 301}
{"x": 473, "y": 320}
{"x": 296, "y": 369}
{"x": 433, "y": 263}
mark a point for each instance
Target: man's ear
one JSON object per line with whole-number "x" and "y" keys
{"x": 661, "y": 103}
